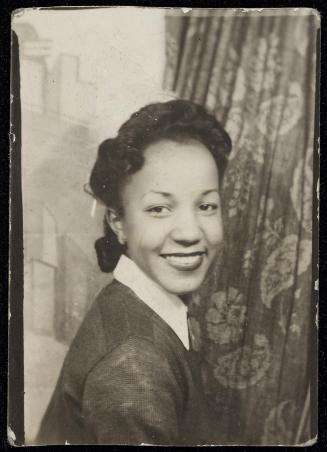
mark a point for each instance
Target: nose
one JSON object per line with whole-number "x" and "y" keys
{"x": 186, "y": 230}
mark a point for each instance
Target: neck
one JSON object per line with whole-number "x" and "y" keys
{"x": 186, "y": 298}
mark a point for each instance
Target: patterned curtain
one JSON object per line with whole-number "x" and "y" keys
{"x": 254, "y": 319}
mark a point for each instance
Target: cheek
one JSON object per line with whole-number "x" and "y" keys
{"x": 145, "y": 233}
{"x": 213, "y": 229}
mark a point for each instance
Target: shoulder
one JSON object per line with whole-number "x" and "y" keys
{"x": 123, "y": 315}
{"x": 141, "y": 365}
{"x": 146, "y": 397}
{"x": 115, "y": 315}
{"x": 136, "y": 355}
{"x": 130, "y": 325}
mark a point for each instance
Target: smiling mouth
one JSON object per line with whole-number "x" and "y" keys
{"x": 185, "y": 261}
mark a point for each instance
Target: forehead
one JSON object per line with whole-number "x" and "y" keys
{"x": 175, "y": 167}
{"x": 171, "y": 149}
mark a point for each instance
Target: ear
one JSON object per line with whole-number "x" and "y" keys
{"x": 114, "y": 221}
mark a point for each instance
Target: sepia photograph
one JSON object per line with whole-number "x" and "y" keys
{"x": 168, "y": 174}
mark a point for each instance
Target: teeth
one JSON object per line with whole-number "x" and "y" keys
{"x": 184, "y": 260}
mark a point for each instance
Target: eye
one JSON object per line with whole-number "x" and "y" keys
{"x": 158, "y": 211}
{"x": 208, "y": 207}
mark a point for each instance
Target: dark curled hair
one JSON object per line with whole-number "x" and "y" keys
{"x": 120, "y": 157}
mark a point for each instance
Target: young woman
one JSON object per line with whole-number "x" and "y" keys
{"x": 130, "y": 376}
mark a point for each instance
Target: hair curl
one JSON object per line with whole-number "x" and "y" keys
{"x": 120, "y": 157}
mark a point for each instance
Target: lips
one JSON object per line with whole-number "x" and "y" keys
{"x": 185, "y": 261}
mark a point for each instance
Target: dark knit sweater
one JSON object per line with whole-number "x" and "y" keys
{"x": 127, "y": 379}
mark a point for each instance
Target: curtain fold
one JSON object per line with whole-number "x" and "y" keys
{"x": 253, "y": 318}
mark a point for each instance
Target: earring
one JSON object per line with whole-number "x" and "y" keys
{"x": 121, "y": 239}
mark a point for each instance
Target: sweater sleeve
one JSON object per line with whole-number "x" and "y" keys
{"x": 133, "y": 396}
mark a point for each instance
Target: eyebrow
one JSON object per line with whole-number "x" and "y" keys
{"x": 162, "y": 193}
{"x": 169, "y": 195}
{"x": 210, "y": 191}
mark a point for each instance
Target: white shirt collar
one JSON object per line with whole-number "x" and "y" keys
{"x": 168, "y": 306}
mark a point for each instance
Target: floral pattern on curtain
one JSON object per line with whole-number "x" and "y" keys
{"x": 254, "y": 319}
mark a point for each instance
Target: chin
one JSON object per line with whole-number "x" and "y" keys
{"x": 181, "y": 287}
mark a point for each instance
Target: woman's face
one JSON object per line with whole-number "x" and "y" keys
{"x": 172, "y": 218}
